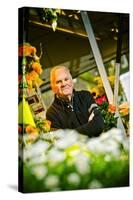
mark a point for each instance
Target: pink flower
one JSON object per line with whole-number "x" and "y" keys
{"x": 101, "y": 99}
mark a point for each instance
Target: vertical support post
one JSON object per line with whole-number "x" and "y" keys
{"x": 118, "y": 60}
{"x": 97, "y": 56}
{"x": 23, "y": 24}
{"x": 117, "y": 72}
{"x": 116, "y": 84}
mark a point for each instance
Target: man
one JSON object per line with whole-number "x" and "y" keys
{"x": 72, "y": 109}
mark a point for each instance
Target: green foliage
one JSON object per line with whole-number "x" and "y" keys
{"x": 110, "y": 120}
{"x": 51, "y": 15}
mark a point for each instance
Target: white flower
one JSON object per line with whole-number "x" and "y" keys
{"x": 73, "y": 178}
{"x": 82, "y": 164}
{"x": 95, "y": 184}
{"x": 52, "y": 181}
{"x": 68, "y": 140}
{"x": 126, "y": 144}
{"x": 39, "y": 171}
{"x": 35, "y": 149}
{"x": 55, "y": 156}
{"x": 108, "y": 142}
{"x": 113, "y": 133}
{"x": 38, "y": 159}
{"x": 110, "y": 146}
{"x": 95, "y": 145}
{"x": 59, "y": 133}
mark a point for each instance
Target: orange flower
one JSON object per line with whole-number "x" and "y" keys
{"x": 29, "y": 80}
{"x": 26, "y": 50}
{"x": 33, "y": 50}
{"x": 30, "y": 129}
{"x": 112, "y": 108}
{"x": 37, "y": 67}
{"x": 33, "y": 75}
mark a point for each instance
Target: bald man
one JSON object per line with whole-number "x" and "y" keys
{"x": 72, "y": 109}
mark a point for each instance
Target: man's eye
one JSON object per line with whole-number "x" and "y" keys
{"x": 66, "y": 79}
{"x": 57, "y": 82}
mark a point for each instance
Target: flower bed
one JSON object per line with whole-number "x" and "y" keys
{"x": 66, "y": 160}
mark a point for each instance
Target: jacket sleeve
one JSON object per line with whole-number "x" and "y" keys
{"x": 94, "y": 127}
{"x": 53, "y": 118}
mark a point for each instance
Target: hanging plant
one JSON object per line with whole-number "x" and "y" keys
{"x": 51, "y": 16}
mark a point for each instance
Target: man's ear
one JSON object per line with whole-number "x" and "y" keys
{"x": 54, "y": 89}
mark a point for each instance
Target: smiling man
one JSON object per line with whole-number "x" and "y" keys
{"x": 72, "y": 109}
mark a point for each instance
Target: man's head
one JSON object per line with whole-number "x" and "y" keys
{"x": 61, "y": 82}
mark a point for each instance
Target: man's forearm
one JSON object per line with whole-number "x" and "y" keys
{"x": 94, "y": 127}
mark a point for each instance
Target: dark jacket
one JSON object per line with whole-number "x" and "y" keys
{"x": 62, "y": 116}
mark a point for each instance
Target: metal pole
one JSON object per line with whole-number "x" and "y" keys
{"x": 97, "y": 56}
{"x": 117, "y": 72}
{"x": 118, "y": 60}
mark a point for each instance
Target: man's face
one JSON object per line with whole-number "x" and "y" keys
{"x": 62, "y": 83}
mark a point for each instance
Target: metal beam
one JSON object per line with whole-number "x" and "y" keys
{"x": 97, "y": 56}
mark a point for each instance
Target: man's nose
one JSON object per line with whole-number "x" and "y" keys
{"x": 63, "y": 83}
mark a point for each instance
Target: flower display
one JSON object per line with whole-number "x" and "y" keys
{"x": 43, "y": 125}
{"x": 82, "y": 163}
{"x": 26, "y": 50}
{"x": 108, "y": 112}
{"x": 29, "y": 79}
{"x": 33, "y": 66}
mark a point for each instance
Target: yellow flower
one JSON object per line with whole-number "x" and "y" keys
{"x": 47, "y": 125}
{"x": 111, "y": 80}
{"x": 98, "y": 80}
{"x": 39, "y": 81}
{"x": 95, "y": 92}
{"x": 124, "y": 109}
